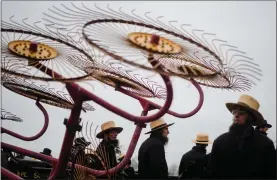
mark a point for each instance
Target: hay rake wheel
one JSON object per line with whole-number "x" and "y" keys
{"x": 25, "y": 47}
{"x": 79, "y": 95}
{"x": 130, "y": 38}
{"x": 46, "y": 95}
{"x": 120, "y": 76}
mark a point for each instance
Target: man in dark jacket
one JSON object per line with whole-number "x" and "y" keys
{"x": 263, "y": 128}
{"x": 242, "y": 152}
{"x": 107, "y": 148}
{"x": 128, "y": 171}
{"x": 151, "y": 158}
{"x": 77, "y": 156}
{"x": 78, "y": 148}
{"x": 193, "y": 164}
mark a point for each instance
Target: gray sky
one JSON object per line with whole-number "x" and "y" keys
{"x": 251, "y": 26}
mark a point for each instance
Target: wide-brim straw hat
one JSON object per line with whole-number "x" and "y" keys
{"x": 158, "y": 124}
{"x": 202, "y": 139}
{"x": 108, "y": 126}
{"x": 249, "y": 104}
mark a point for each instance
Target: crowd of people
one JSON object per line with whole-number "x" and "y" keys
{"x": 242, "y": 152}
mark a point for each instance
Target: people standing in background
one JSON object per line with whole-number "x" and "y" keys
{"x": 193, "y": 163}
{"x": 151, "y": 157}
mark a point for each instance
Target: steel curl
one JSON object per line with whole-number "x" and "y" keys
{"x": 5, "y": 115}
{"x": 39, "y": 134}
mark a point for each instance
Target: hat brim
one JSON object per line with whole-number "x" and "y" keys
{"x": 207, "y": 142}
{"x": 163, "y": 126}
{"x": 100, "y": 135}
{"x": 264, "y": 125}
{"x": 257, "y": 115}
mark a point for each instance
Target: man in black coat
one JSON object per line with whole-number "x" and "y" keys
{"x": 242, "y": 152}
{"x": 151, "y": 159}
{"x": 193, "y": 164}
{"x": 263, "y": 128}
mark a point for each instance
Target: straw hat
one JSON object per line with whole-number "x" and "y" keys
{"x": 202, "y": 139}
{"x": 108, "y": 126}
{"x": 249, "y": 104}
{"x": 158, "y": 124}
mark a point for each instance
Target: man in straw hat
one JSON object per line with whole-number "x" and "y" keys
{"x": 243, "y": 152}
{"x": 263, "y": 128}
{"x": 107, "y": 147}
{"x": 194, "y": 162}
{"x": 151, "y": 158}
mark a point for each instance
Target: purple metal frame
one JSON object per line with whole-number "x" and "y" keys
{"x": 79, "y": 95}
{"x": 9, "y": 174}
{"x": 145, "y": 103}
{"x": 38, "y": 135}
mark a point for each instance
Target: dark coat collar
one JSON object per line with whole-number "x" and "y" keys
{"x": 200, "y": 149}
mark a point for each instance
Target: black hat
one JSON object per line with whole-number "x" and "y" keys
{"x": 81, "y": 141}
{"x": 263, "y": 125}
{"x": 46, "y": 151}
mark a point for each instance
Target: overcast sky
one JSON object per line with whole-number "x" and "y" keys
{"x": 251, "y": 26}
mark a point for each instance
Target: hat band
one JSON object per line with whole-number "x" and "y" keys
{"x": 202, "y": 141}
{"x": 244, "y": 104}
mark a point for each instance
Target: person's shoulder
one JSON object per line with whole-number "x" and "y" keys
{"x": 262, "y": 139}
{"x": 149, "y": 142}
{"x": 186, "y": 154}
{"x": 221, "y": 137}
{"x": 155, "y": 142}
